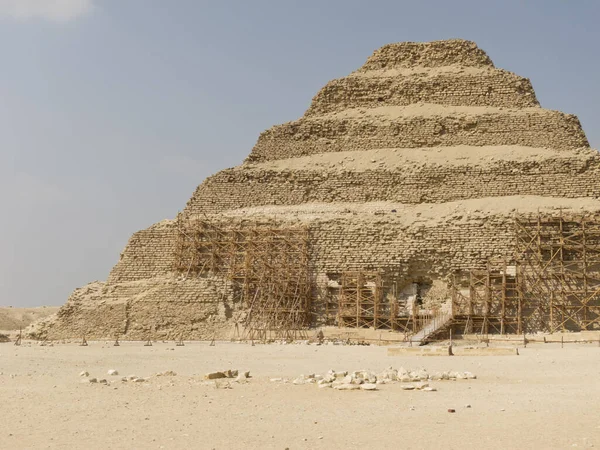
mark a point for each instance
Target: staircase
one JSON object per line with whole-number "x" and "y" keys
{"x": 437, "y": 322}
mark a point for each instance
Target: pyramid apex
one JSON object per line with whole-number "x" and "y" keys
{"x": 451, "y": 52}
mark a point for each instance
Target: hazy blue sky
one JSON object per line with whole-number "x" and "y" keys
{"x": 112, "y": 111}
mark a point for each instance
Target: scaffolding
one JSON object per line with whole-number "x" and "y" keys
{"x": 360, "y": 300}
{"x": 551, "y": 284}
{"x": 362, "y": 303}
{"x": 486, "y": 300}
{"x": 268, "y": 267}
{"x": 558, "y": 268}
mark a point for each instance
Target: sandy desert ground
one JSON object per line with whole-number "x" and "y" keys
{"x": 546, "y": 398}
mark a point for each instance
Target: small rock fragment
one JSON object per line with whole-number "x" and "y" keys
{"x": 241, "y": 378}
{"x": 347, "y": 387}
{"x": 214, "y": 375}
{"x": 167, "y": 373}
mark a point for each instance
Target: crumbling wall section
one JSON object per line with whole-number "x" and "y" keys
{"x": 163, "y": 307}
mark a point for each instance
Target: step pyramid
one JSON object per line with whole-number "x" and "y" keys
{"x": 414, "y": 165}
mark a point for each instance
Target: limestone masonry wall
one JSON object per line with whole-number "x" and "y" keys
{"x": 148, "y": 254}
{"x": 348, "y": 242}
{"x": 425, "y": 250}
{"x": 490, "y": 88}
{"x": 310, "y": 136}
{"x": 242, "y": 188}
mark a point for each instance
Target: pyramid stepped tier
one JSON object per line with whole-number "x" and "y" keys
{"x": 402, "y": 175}
{"x": 447, "y": 236}
{"x": 413, "y": 166}
{"x": 455, "y": 86}
{"x": 419, "y": 126}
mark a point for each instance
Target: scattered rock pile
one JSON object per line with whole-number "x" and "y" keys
{"x": 134, "y": 379}
{"x": 218, "y": 379}
{"x": 368, "y": 380}
{"x": 113, "y": 373}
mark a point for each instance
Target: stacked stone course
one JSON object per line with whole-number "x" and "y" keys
{"x": 495, "y": 88}
{"x": 148, "y": 254}
{"x": 533, "y": 128}
{"x": 242, "y": 188}
{"x": 401, "y": 211}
